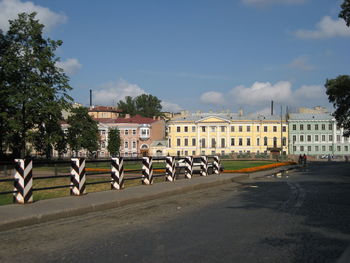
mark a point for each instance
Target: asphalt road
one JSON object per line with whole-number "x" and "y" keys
{"x": 302, "y": 217}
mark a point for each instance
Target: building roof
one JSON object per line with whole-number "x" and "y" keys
{"x": 137, "y": 119}
{"x": 104, "y": 109}
{"x": 311, "y": 116}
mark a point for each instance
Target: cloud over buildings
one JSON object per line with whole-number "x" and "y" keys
{"x": 213, "y": 97}
{"x": 9, "y": 10}
{"x": 70, "y": 66}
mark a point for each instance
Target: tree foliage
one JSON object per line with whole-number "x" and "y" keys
{"x": 33, "y": 90}
{"x": 145, "y": 105}
{"x": 113, "y": 142}
{"x": 338, "y": 91}
{"x": 82, "y": 131}
{"x": 345, "y": 12}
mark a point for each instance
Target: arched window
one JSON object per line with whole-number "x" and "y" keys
{"x": 274, "y": 142}
{"x": 265, "y": 141}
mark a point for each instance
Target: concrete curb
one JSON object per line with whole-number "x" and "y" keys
{"x": 13, "y": 216}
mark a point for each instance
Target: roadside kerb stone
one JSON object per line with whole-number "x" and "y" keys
{"x": 15, "y": 215}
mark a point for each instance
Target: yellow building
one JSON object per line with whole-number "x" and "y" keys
{"x": 226, "y": 133}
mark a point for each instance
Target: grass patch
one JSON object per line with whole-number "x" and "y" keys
{"x": 236, "y": 165}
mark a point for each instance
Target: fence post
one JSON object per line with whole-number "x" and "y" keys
{"x": 117, "y": 173}
{"x": 204, "y": 166}
{"x": 188, "y": 167}
{"x": 170, "y": 168}
{"x": 216, "y": 165}
{"x": 77, "y": 176}
{"x": 147, "y": 170}
{"x": 23, "y": 181}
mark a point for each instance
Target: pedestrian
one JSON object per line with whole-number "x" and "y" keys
{"x": 300, "y": 159}
{"x": 304, "y": 159}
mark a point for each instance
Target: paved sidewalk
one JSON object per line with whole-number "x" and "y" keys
{"x": 12, "y": 216}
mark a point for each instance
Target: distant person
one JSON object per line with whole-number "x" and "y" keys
{"x": 300, "y": 161}
{"x": 304, "y": 159}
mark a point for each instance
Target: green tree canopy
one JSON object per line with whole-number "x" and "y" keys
{"x": 338, "y": 91}
{"x": 145, "y": 105}
{"x": 345, "y": 12}
{"x": 113, "y": 142}
{"x": 33, "y": 89}
{"x": 82, "y": 131}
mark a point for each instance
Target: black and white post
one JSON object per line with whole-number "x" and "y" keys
{"x": 188, "y": 167}
{"x": 23, "y": 181}
{"x": 117, "y": 173}
{"x": 170, "y": 168}
{"x": 216, "y": 165}
{"x": 147, "y": 170}
{"x": 204, "y": 165}
{"x": 77, "y": 176}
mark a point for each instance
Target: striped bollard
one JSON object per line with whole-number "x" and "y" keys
{"x": 188, "y": 167}
{"x": 117, "y": 173}
{"x": 147, "y": 170}
{"x": 170, "y": 168}
{"x": 23, "y": 181}
{"x": 77, "y": 176}
{"x": 204, "y": 166}
{"x": 216, "y": 165}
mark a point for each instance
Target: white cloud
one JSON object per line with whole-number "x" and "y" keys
{"x": 213, "y": 97}
{"x": 270, "y": 2}
{"x": 301, "y": 63}
{"x": 310, "y": 92}
{"x": 262, "y": 92}
{"x": 9, "y": 10}
{"x": 70, "y": 66}
{"x": 110, "y": 93}
{"x": 171, "y": 107}
{"x": 326, "y": 28}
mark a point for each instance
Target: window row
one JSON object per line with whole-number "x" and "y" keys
{"x": 316, "y": 127}
{"x": 223, "y": 128}
{"x": 322, "y": 148}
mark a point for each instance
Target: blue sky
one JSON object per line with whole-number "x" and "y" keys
{"x": 199, "y": 54}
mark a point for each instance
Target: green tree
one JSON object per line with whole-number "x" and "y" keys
{"x": 338, "y": 91}
{"x": 82, "y": 131}
{"x": 145, "y": 105}
{"x": 113, "y": 142}
{"x": 345, "y": 12}
{"x": 36, "y": 90}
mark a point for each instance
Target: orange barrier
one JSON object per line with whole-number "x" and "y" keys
{"x": 259, "y": 168}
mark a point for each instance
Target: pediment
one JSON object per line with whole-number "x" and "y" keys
{"x": 213, "y": 119}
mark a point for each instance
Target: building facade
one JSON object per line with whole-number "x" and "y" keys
{"x": 226, "y": 133}
{"x": 316, "y": 134}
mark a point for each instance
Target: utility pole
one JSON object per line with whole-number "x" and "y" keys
{"x": 281, "y": 131}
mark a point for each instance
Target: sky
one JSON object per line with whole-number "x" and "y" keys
{"x": 196, "y": 54}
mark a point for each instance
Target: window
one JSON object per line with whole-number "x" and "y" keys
{"x": 274, "y": 142}
{"x": 134, "y": 131}
{"x": 309, "y": 138}
{"x": 316, "y": 138}
{"x": 103, "y": 144}
{"x": 232, "y": 141}
{"x": 294, "y": 148}
{"x": 284, "y": 128}
{"x": 126, "y": 145}
{"x": 330, "y": 127}
{"x": 193, "y": 152}
{"x": 330, "y": 148}
{"x": 265, "y": 128}
{"x": 346, "y": 148}
{"x": 294, "y": 127}
{"x": 186, "y": 153}
{"x": 212, "y": 152}
{"x": 323, "y": 138}
{"x": 330, "y": 138}
{"x": 258, "y": 141}
{"x": 203, "y": 128}
{"x": 338, "y": 148}
{"x": 240, "y": 128}
{"x": 103, "y": 132}
{"x": 301, "y": 127}
{"x": 169, "y": 143}
{"x": 178, "y": 142}
{"x": 301, "y": 148}
{"x": 248, "y": 141}
{"x": 309, "y": 148}
{"x": 309, "y": 127}
{"x": 323, "y": 127}
{"x": 294, "y": 138}
{"x": 185, "y": 129}
{"x": 248, "y": 128}
{"x": 232, "y": 128}
{"x": 193, "y": 128}
{"x": 338, "y": 138}
{"x": 323, "y": 148}
{"x": 193, "y": 141}
{"x": 316, "y": 148}
{"x": 301, "y": 138}
{"x": 274, "y": 128}
{"x": 222, "y": 152}
{"x": 316, "y": 127}
{"x": 223, "y": 143}
{"x": 213, "y": 129}
{"x": 186, "y": 142}
{"x": 178, "y": 129}
{"x": 257, "y": 128}
{"x": 133, "y": 145}
{"x": 203, "y": 143}
{"x": 144, "y": 132}
{"x": 284, "y": 141}
{"x": 240, "y": 141}
{"x": 213, "y": 143}
{"x": 126, "y": 132}
{"x": 265, "y": 141}
{"x": 223, "y": 128}
{"x": 178, "y": 153}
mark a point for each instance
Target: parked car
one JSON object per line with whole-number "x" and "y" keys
{"x": 181, "y": 164}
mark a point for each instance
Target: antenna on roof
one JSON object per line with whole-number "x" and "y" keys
{"x": 90, "y": 98}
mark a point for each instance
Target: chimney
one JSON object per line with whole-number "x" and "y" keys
{"x": 240, "y": 112}
{"x": 271, "y": 107}
{"x": 127, "y": 116}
